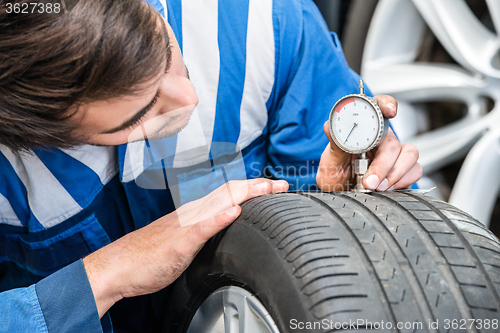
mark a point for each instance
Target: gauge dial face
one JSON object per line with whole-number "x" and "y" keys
{"x": 355, "y": 124}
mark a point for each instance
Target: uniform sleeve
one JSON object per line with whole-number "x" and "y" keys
{"x": 311, "y": 74}
{"x": 62, "y": 302}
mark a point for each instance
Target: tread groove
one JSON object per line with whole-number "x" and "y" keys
{"x": 364, "y": 257}
{"x": 330, "y": 286}
{"x": 482, "y": 236}
{"x": 311, "y": 242}
{"x": 261, "y": 213}
{"x": 338, "y": 297}
{"x": 340, "y": 311}
{"x": 265, "y": 227}
{"x": 299, "y": 237}
{"x": 290, "y": 226}
{"x": 270, "y": 202}
{"x": 486, "y": 248}
{"x": 326, "y": 276}
{"x": 471, "y": 251}
{"x": 295, "y": 231}
{"x": 447, "y": 272}
{"x": 279, "y": 212}
{"x": 316, "y": 268}
{"x": 320, "y": 258}
{"x": 413, "y": 282}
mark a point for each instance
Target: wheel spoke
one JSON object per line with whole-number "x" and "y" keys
{"x": 232, "y": 310}
{"x": 467, "y": 40}
{"x": 421, "y": 82}
{"x": 494, "y": 8}
{"x": 437, "y": 148}
{"x": 232, "y": 305}
{"x": 479, "y": 178}
{"x": 208, "y": 318}
{"x": 389, "y": 40}
{"x": 251, "y": 321}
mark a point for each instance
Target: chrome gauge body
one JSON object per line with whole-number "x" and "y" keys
{"x": 356, "y": 124}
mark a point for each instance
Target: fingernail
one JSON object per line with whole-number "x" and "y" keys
{"x": 392, "y": 107}
{"x": 279, "y": 182}
{"x": 372, "y": 181}
{"x": 232, "y": 211}
{"x": 390, "y": 188}
{"x": 262, "y": 185}
{"x": 383, "y": 185}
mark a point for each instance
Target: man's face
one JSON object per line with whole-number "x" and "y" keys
{"x": 168, "y": 99}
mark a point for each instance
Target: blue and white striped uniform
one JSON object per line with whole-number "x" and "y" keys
{"x": 267, "y": 74}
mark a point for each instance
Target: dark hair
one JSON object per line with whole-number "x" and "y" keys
{"x": 99, "y": 50}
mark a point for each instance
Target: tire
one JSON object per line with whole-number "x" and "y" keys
{"x": 340, "y": 258}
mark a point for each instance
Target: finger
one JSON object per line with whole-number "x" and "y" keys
{"x": 334, "y": 170}
{"x": 259, "y": 187}
{"x": 228, "y": 194}
{"x": 335, "y": 153}
{"x": 386, "y": 156}
{"x": 280, "y": 185}
{"x": 409, "y": 178}
{"x": 277, "y": 185}
{"x": 407, "y": 159}
{"x": 388, "y": 105}
{"x": 334, "y": 167}
{"x": 326, "y": 129}
{"x": 235, "y": 193}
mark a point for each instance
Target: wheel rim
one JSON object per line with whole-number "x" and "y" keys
{"x": 232, "y": 310}
{"x": 389, "y": 66}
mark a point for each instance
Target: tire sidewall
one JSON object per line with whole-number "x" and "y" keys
{"x": 246, "y": 258}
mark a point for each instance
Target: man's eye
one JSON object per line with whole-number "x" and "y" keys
{"x": 147, "y": 109}
{"x": 137, "y": 122}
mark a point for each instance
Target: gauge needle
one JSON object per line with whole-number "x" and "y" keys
{"x": 355, "y": 124}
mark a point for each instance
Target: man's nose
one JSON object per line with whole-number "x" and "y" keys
{"x": 179, "y": 93}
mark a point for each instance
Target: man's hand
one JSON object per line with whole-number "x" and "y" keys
{"x": 149, "y": 259}
{"x": 394, "y": 165}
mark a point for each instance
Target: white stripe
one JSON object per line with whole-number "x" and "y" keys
{"x": 47, "y": 198}
{"x": 8, "y": 216}
{"x": 133, "y": 165}
{"x": 201, "y": 56}
{"x": 164, "y": 4}
{"x": 259, "y": 71}
{"x": 102, "y": 160}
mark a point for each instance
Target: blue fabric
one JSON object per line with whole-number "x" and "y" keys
{"x": 26, "y": 257}
{"x": 311, "y": 75}
{"x": 20, "y": 311}
{"x": 232, "y": 69}
{"x": 67, "y": 301}
{"x": 175, "y": 19}
{"x": 12, "y": 188}
{"x": 46, "y": 256}
{"x": 82, "y": 183}
{"x": 62, "y": 302}
{"x": 39, "y": 254}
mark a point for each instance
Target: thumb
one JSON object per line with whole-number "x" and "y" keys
{"x": 336, "y": 154}
{"x": 334, "y": 170}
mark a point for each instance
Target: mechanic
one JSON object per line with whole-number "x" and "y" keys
{"x": 75, "y": 86}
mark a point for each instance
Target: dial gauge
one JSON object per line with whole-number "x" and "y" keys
{"x": 357, "y": 124}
